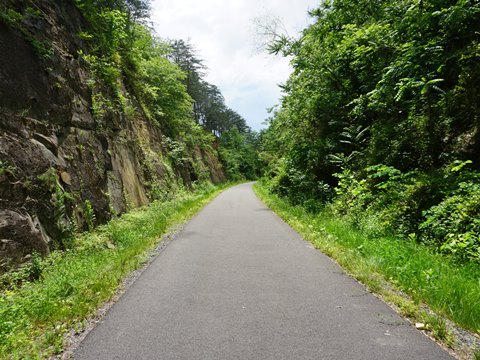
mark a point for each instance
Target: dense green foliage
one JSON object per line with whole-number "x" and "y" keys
{"x": 238, "y": 144}
{"x": 42, "y": 301}
{"x": 381, "y": 114}
{"x": 165, "y": 78}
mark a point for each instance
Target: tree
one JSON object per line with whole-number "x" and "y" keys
{"x": 403, "y": 70}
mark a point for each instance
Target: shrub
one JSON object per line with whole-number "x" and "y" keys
{"x": 441, "y": 208}
{"x": 454, "y": 224}
{"x": 299, "y": 187}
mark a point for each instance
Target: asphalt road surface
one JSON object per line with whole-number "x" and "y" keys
{"x": 238, "y": 283}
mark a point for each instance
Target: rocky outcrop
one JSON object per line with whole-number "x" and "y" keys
{"x": 62, "y": 168}
{"x": 20, "y": 235}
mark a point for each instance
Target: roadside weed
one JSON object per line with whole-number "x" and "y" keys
{"x": 390, "y": 266}
{"x": 44, "y": 301}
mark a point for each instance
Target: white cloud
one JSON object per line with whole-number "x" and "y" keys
{"x": 221, "y": 31}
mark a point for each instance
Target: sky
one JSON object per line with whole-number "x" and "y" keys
{"x": 223, "y": 34}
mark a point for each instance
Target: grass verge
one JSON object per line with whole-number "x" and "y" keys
{"x": 72, "y": 285}
{"x": 392, "y": 268}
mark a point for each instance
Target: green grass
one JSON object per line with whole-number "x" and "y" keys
{"x": 36, "y": 315}
{"x": 448, "y": 288}
{"x": 476, "y": 355}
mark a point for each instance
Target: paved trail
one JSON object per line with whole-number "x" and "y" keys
{"x": 238, "y": 283}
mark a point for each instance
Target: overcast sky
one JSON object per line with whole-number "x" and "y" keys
{"x": 223, "y": 34}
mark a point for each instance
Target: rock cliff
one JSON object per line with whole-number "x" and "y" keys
{"x": 62, "y": 168}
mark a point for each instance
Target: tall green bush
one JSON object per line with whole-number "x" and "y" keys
{"x": 383, "y": 97}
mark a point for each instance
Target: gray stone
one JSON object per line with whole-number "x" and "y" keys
{"x": 20, "y": 236}
{"x": 50, "y": 156}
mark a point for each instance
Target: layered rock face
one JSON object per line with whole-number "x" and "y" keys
{"x": 61, "y": 168}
